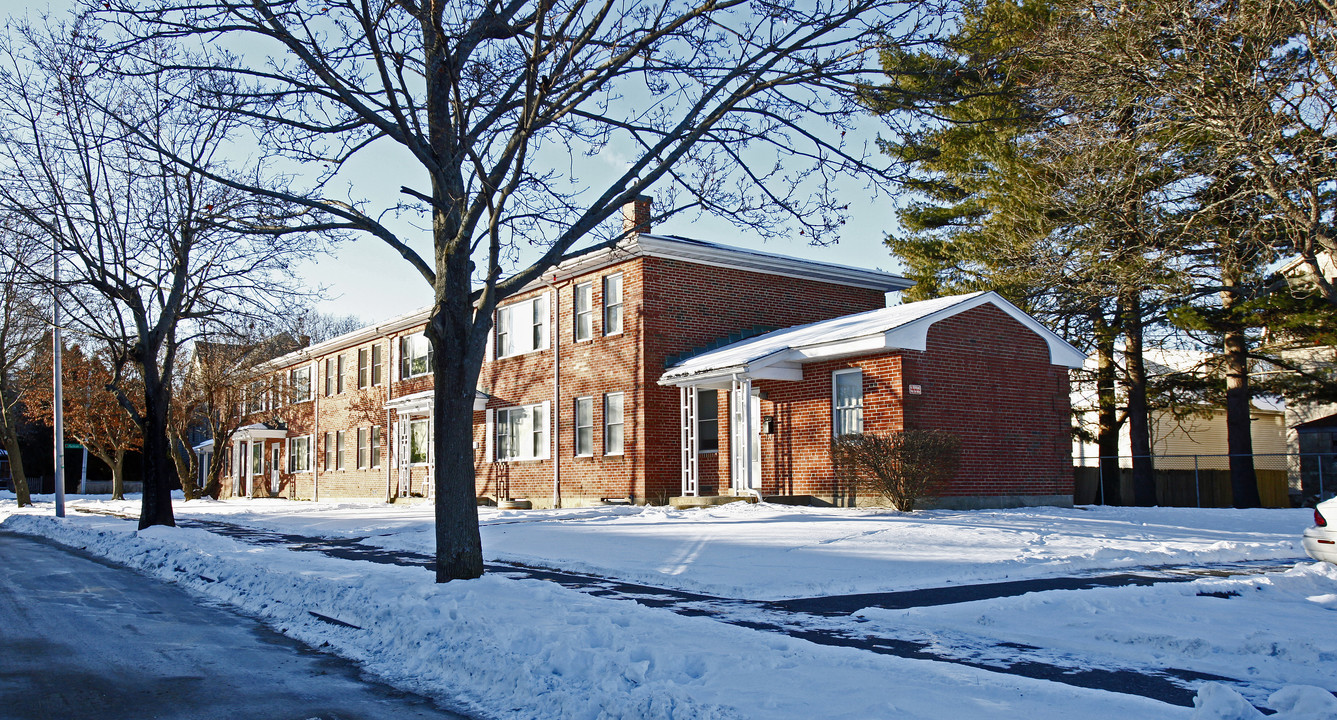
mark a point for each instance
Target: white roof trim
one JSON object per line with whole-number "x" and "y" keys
{"x": 875, "y": 331}
{"x": 258, "y": 431}
{"x": 421, "y": 402}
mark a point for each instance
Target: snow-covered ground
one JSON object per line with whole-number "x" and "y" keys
{"x": 500, "y": 647}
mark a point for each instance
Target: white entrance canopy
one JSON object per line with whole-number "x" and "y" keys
{"x": 420, "y": 403}
{"x": 779, "y": 355}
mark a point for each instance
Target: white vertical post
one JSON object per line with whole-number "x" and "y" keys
{"x": 690, "y": 469}
{"x": 83, "y": 474}
{"x": 745, "y": 402}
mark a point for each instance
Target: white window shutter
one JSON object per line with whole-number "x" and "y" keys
{"x": 490, "y": 352}
{"x": 550, "y": 430}
{"x": 489, "y": 432}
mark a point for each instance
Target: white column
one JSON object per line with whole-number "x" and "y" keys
{"x": 690, "y": 468}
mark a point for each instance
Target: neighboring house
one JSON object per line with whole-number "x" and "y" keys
{"x": 613, "y": 380}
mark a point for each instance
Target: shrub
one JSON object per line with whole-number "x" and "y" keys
{"x": 902, "y": 466}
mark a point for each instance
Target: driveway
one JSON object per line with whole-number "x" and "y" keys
{"x": 83, "y": 639}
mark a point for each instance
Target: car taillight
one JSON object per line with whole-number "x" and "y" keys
{"x": 1319, "y": 520}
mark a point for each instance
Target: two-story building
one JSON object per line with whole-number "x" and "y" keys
{"x": 660, "y": 367}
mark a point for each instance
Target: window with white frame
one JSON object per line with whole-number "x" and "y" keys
{"x": 584, "y": 432}
{"x": 339, "y": 450}
{"x": 707, "y": 421}
{"x": 363, "y": 447}
{"x": 328, "y": 461}
{"x": 329, "y": 377}
{"x": 376, "y": 363}
{"x": 415, "y": 355}
{"x": 420, "y": 441}
{"x": 363, "y": 367}
{"x": 847, "y": 402}
{"x": 375, "y": 446}
{"x": 257, "y": 458}
{"x": 340, "y": 369}
{"x": 299, "y": 379}
{"x": 613, "y": 424}
{"x": 299, "y": 454}
{"x": 256, "y": 398}
{"x": 583, "y": 311}
{"x": 522, "y": 327}
{"x": 522, "y": 433}
{"x": 613, "y": 304}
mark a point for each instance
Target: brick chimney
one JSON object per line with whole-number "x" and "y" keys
{"x": 636, "y": 215}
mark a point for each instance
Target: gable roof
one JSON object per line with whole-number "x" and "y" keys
{"x": 778, "y": 354}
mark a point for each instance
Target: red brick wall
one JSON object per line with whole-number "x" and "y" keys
{"x": 689, "y": 305}
{"x": 983, "y": 376}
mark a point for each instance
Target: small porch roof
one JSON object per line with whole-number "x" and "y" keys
{"x": 421, "y": 402}
{"x": 778, "y": 355}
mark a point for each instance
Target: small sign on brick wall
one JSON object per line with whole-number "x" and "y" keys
{"x": 916, "y": 390}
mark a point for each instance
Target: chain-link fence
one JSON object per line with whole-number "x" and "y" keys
{"x": 1284, "y": 479}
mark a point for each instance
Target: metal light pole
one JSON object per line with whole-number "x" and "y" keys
{"x": 58, "y": 403}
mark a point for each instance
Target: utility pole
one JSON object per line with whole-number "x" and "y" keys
{"x": 58, "y": 403}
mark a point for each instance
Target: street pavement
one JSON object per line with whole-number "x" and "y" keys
{"x": 80, "y": 638}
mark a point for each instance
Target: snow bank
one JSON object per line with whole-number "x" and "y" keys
{"x": 523, "y": 649}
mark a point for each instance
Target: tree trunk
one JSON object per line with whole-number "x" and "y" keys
{"x": 117, "y": 475}
{"x": 1107, "y": 429}
{"x": 159, "y": 472}
{"x": 1239, "y": 434}
{"x": 187, "y": 466}
{"x": 18, "y": 478}
{"x": 1139, "y": 414}
{"x": 457, "y": 359}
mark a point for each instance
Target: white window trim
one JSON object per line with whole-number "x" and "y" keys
{"x": 288, "y": 448}
{"x": 403, "y": 365}
{"x": 835, "y": 409}
{"x": 527, "y": 327}
{"x": 500, "y": 417}
{"x": 575, "y": 312}
{"x": 411, "y": 422}
{"x": 621, "y": 304}
{"x": 375, "y": 455}
{"x": 575, "y": 426}
{"x": 697, "y": 420}
{"x": 622, "y": 423}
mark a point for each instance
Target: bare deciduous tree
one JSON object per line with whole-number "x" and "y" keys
{"x": 152, "y": 251}
{"x": 23, "y": 325}
{"x": 741, "y": 108}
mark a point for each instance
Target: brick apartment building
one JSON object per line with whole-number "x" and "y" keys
{"x": 659, "y": 367}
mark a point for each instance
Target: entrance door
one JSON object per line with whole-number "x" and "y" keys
{"x": 745, "y": 436}
{"x": 243, "y": 467}
{"x": 274, "y": 480}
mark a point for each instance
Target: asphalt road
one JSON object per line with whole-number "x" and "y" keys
{"x": 80, "y": 638}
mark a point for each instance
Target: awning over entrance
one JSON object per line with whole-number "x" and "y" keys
{"x": 420, "y": 403}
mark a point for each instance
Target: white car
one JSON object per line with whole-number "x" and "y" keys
{"x": 1320, "y": 541}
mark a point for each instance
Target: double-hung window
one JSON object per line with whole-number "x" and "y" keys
{"x": 847, "y": 402}
{"x": 613, "y": 424}
{"x": 613, "y": 304}
{"x": 340, "y": 369}
{"x": 707, "y": 421}
{"x": 375, "y": 446}
{"x": 584, "y": 439}
{"x": 329, "y": 376}
{"x": 583, "y": 311}
{"x": 363, "y": 436}
{"x": 376, "y": 363}
{"x": 363, "y": 367}
{"x": 299, "y": 454}
{"x": 420, "y": 441}
{"x": 339, "y": 450}
{"x": 300, "y": 381}
{"x": 522, "y": 433}
{"x": 522, "y": 327}
{"x": 329, "y": 451}
{"x": 415, "y": 356}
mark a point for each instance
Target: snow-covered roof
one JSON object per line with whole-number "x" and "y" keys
{"x": 778, "y": 354}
